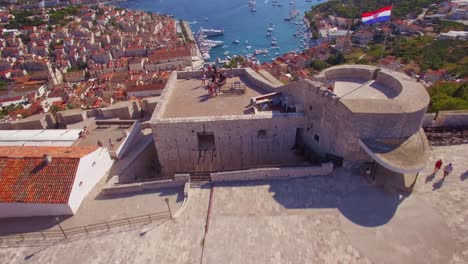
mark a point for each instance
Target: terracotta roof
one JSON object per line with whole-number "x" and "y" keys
{"x": 38, "y": 152}
{"x": 146, "y": 87}
{"x": 24, "y": 178}
{"x": 28, "y": 180}
{"x": 164, "y": 54}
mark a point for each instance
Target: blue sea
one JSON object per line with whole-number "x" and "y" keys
{"x": 238, "y": 22}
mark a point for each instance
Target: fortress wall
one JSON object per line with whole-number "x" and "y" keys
{"x": 238, "y": 143}
{"x": 349, "y": 73}
{"x": 166, "y": 94}
{"x": 387, "y": 125}
{"x": 429, "y": 120}
{"x": 325, "y": 118}
{"x": 452, "y": 119}
{"x": 389, "y": 81}
{"x": 72, "y": 116}
{"x": 259, "y": 81}
{"x": 272, "y": 173}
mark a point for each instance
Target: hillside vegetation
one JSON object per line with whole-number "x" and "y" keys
{"x": 448, "y": 96}
{"x": 354, "y": 8}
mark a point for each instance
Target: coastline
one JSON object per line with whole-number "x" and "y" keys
{"x": 199, "y": 62}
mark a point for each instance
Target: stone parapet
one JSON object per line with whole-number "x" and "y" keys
{"x": 272, "y": 173}
{"x": 113, "y": 187}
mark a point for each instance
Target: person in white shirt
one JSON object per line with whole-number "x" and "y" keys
{"x": 448, "y": 169}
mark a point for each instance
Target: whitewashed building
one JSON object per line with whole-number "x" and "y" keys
{"x": 44, "y": 172}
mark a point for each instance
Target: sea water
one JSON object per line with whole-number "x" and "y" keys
{"x": 238, "y": 21}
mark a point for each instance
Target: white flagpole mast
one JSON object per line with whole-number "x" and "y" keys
{"x": 383, "y": 50}
{"x": 385, "y": 41}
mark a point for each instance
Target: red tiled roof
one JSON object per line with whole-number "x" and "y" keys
{"x": 11, "y": 99}
{"x": 165, "y": 54}
{"x": 25, "y": 179}
{"x": 38, "y": 152}
{"x": 146, "y": 87}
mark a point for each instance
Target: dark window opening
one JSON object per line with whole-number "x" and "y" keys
{"x": 299, "y": 143}
{"x": 261, "y": 133}
{"x": 317, "y": 138}
{"x": 206, "y": 140}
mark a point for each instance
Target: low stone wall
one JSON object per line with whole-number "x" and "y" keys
{"x": 133, "y": 134}
{"x": 5, "y": 126}
{"x": 248, "y": 73}
{"x": 122, "y": 110}
{"x": 455, "y": 119}
{"x": 29, "y": 123}
{"x": 390, "y": 82}
{"x": 113, "y": 187}
{"x": 429, "y": 119}
{"x": 189, "y": 74}
{"x": 348, "y": 73}
{"x": 258, "y": 81}
{"x": 72, "y": 116}
{"x": 272, "y": 173}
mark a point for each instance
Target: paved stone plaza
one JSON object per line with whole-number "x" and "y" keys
{"x": 332, "y": 219}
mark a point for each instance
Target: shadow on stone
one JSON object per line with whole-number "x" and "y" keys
{"x": 464, "y": 176}
{"x": 362, "y": 204}
{"x": 369, "y": 207}
{"x": 437, "y": 185}
{"x": 430, "y": 177}
{"x": 29, "y": 224}
{"x": 204, "y": 98}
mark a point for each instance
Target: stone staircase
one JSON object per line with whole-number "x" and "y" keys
{"x": 199, "y": 178}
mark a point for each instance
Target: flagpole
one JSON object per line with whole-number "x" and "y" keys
{"x": 384, "y": 43}
{"x": 384, "y": 48}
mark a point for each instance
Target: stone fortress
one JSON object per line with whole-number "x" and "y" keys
{"x": 359, "y": 117}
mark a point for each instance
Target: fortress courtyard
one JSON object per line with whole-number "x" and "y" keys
{"x": 324, "y": 219}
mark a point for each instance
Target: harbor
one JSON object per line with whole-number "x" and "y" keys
{"x": 257, "y": 30}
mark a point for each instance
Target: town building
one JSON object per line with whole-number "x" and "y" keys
{"x": 48, "y": 180}
{"x": 357, "y": 116}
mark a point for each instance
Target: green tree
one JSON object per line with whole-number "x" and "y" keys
{"x": 448, "y": 96}
{"x": 319, "y": 65}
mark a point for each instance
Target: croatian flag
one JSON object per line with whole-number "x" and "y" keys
{"x": 381, "y": 15}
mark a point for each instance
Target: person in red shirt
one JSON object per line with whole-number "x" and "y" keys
{"x": 437, "y": 166}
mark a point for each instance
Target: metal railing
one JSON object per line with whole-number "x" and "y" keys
{"x": 84, "y": 230}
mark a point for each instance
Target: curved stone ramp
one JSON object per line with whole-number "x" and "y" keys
{"x": 185, "y": 202}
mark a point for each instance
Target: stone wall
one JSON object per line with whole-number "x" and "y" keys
{"x": 133, "y": 134}
{"x": 429, "y": 119}
{"x": 72, "y": 116}
{"x": 331, "y": 128}
{"x": 32, "y": 122}
{"x": 449, "y": 119}
{"x": 149, "y": 104}
{"x": 259, "y": 81}
{"x": 121, "y": 110}
{"x": 238, "y": 142}
{"x": 389, "y": 82}
{"x": 349, "y": 73}
{"x": 113, "y": 187}
{"x": 166, "y": 94}
{"x": 272, "y": 173}
{"x": 5, "y": 126}
{"x": 326, "y": 125}
{"x": 253, "y": 77}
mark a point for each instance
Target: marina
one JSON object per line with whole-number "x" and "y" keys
{"x": 240, "y": 27}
